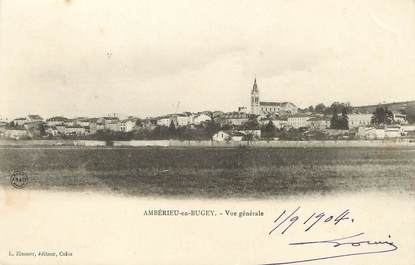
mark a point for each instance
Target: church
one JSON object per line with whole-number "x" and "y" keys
{"x": 264, "y": 108}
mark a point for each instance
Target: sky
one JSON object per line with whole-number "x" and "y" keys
{"x": 152, "y": 57}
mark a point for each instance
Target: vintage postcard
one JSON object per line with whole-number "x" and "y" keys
{"x": 207, "y": 132}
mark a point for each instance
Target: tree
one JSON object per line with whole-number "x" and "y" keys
{"x": 211, "y": 126}
{"x": 311, "y": 108}
{"x": 320, "y": 108}
{"x": 344, "y": 124}
{"x": 268, "y": 131}
{"x": 338, "y": 107}
{"x": 251, "y": 124}
{"x": 339, "y": 122}
{"x": 334, "y": 122}
{"x": 382, "y": 116}
{"x": 172, "y": 130}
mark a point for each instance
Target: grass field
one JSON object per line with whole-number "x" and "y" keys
{"x": 212, "y": 172}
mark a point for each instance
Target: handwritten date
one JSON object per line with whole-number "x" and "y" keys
{"x": 287, "y": 219}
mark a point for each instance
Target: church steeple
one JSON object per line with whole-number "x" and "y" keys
{"x": 255, "y": 87}
{"x": 255, "y": 98}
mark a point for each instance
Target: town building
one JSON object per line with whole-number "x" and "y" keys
{"x": 16, "y": 133}
{"x": 128, "y": 125}
{"x": 373, "y": 133}
{"x": 259, "y": 107}
{"x": 70, "y": 122}
{"x": 399, "y": 118}
{"x": 298, "y": 120}
{"x": 19, "y": 121}
{"x": 319, "y": 123}
{"x": 52, "y": 131}
{"x": 114, "y": 126}
{"x": 182, "y": 120}
{"x": 359, "y": 119}
{"x": 57, "y": 120}
{"x": 100, "y": 126}
{"x": 75, "y": 130}
{"x": 148, "y": 123}
{"x": 83, "y": 122}
{"x": 236, "y": 135}
{"x": 201, "y": 118}
{"x": 108, "y": 119}
{"x": 408, "y": 128}
{"x": 393, "y": 132}
{"x": 280, "y": 123}
{"x": 225, "y": 136}
{"x": 34, "y": 118}
{"x": 164, "y": 121}
{"x": 255, "y": 134}
{"x": 60, "y": 128}
{"x": 233, "y": 118}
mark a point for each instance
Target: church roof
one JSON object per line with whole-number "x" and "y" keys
{"x": 279, "y": 104}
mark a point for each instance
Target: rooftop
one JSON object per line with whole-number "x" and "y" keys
{"x": 278, "y": 104}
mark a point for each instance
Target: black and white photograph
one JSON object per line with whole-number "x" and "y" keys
{"x": 207, "y": 132}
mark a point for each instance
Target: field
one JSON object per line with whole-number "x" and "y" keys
{"x": 212, "y": 172}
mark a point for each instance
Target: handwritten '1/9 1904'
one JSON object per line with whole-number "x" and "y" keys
{"x": 286, "y": 220}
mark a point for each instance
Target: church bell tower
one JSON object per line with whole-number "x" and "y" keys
{"x": 255, "y": 99}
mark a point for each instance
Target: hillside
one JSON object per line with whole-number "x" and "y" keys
{"x": 406, "y": 106}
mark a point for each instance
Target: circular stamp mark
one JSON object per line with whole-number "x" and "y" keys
{"x": 19, "y": 179}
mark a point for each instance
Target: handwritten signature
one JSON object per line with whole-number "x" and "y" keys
{"x": 351, "y": 245}
{"x": 341, "y": 242}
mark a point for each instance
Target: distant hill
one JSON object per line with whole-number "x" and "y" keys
{"x": 407, "y": 107}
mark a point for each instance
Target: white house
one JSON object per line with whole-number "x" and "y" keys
{"x": 114, "y": 126}
{"x": 107, "y": 120}
{"x": 298, "y": 120}
{"x": 60, "y": 128}
{"x": 399, "y": 118}
{"x": 233, "y": 118}
{"x": 52, "y": 130}
{"x": 164, "y": 121}
{"x": 69, "y": 122}
{"x": 371, "y": 133}
{"x": 148, "y": 123}
{"x": 408, "y": 128}
{"x": 57, "y": 120}
{"x": 20, "y": 121}
{"x": 83, "y": 122}
{"x": 183, "y": 120}
{"x": 75, "y": 130}
{"x": 359, "y": 119}
{"x": 224, "y": 136}
{"x": 256, "y": 134}
{"x": 16, "y": 133}
{"x": 200, "y": 119}
{"x": 319, "y": 123}
{"x": 128, "y": 125}
{"x": 393, "y": 132}
{"x": 100, "y": 126}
